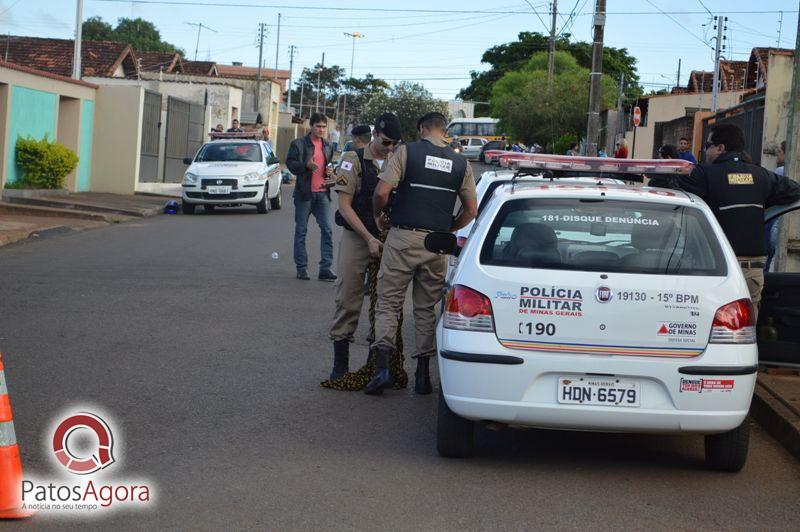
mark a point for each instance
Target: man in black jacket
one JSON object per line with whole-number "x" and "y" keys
{"x": 737, "y": 192}
{"x": 309, "y": 160}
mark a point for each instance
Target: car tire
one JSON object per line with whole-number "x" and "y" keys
{"x": 728, "y": 451}
{"x": 277, "y": 202}
{"x": 263, "y": 206}
{"x": 187, "y": 208}
{"x": 454, "y": 434}
{"x": 208, "y": 208}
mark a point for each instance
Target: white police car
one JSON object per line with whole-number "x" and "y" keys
{"x": 598, "y": 307}
{"x": 235, "y": 169}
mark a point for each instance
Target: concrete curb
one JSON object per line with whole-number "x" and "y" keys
{"x": 57, "y": 203}
{"x": 24, "y": 234}
{"x": 778, "y": 419}
{"x": 31, "y": 210}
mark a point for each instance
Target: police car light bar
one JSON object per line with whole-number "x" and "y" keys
{"x": 244, "y": 135}
{"x": 605, "y": 165}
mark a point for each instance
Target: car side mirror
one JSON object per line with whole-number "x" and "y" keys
{"x": 273, "y": 160}
{"x": 441, "y": 243}
{"x": 187, "y": 160}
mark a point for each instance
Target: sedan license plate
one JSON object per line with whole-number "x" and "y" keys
{"x": 598, "y": 391}
{"x": 219, "y": 190}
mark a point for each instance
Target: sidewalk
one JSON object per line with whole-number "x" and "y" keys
{"x": 776, "y": 406}
{"x": 134, "y": 205}
{"x": 14, "y": 227}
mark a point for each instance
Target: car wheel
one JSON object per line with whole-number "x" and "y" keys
{"x": 187, "y": 208}
{"x": 454, "y": 434}
{"x": 728, "y": 451}
{"x": 208, "y": 208}
{"x": 276, "y": 202}
{"x": 263, "y": 205}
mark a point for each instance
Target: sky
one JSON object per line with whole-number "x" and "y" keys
{"x": 436, "y": 44}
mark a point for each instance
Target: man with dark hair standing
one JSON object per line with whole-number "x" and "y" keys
{"x": 235, "y": 128}
{"x": 356, "y": 179}
{"x": 429, "y": 176}
{"x": 737, "y": 192}
{"x": 685, "y": 150}
{"x": 308, "y": 159}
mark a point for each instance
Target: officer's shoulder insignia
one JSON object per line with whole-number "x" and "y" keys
{"x": 341, "y": 180}
{"x": 347, "y": 165}
{"x": 740, "y": 179}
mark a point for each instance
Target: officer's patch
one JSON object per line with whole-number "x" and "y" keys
{"x": 341, "y": 181}
{"x": 346, "y": 165}
{"x": 437, "y": 163}
{"x": 740, "y": 179}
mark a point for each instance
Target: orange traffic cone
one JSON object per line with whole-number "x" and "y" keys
{"x": 10, "y": 463}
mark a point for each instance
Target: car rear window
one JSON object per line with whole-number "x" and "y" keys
{"x": 229, "y": 152}
{"x": 603, "y": 235}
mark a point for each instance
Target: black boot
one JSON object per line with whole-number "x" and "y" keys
{"x": 382, "y": 378}
{"x": 341, "y": 357}
{"x": 422, "y": 377}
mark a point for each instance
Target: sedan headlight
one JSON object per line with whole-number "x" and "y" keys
{"x": 251, "y": 177}
{"x": 189, "y": 178}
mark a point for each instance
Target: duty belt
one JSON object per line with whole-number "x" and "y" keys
{"x": 417, "y": 229}
{"x": 759, "y": 264}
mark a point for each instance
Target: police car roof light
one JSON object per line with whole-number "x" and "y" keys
{"x": 603, "y": 165}
{"x": 244, "y": 135}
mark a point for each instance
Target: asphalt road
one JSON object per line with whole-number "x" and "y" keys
{"x": 208, "y": 355}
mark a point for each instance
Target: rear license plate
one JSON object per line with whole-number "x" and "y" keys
{"x": 598, "y": 391}
{"x": 219, "y": 190}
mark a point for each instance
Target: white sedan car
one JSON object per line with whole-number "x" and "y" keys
{"x": 602, "y": 308}
{"x": 232, "y": 172}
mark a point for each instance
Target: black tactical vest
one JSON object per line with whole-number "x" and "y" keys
{"x": 362, "y": 202}
{"x": 427, "y": 194}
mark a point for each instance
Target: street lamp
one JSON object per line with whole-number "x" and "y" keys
{"x": 355, "y": 35}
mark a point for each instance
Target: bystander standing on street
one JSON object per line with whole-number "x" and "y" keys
{"x": 771, "y": 229}
{"x": 235, "y": 128}
{"x": 622, "y": 149}
{"x": 685, "y": 150}
{"x": 335, "y": 136}
{"x": 308, "y": 159}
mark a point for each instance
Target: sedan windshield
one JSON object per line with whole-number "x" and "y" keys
{"x": 229, "y": 152}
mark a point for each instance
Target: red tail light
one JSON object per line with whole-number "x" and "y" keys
{"x": 468, "y": 310}
{"x": 734, "y": 323}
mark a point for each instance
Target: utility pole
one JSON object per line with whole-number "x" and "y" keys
{"x": 76, "y": 58}
{"x": 780, "y": 27}
{"x": 720, "y": 21}
{"x": 678, "y": 77}
{"x": 291, "y": 64}
{"x": 593, "y": 126}
{"x": 261, "y": 29}
{"x": 552, "y": 46}
{"x": 302, "y": 88}
{"x": 355, "y": 35}
{"x": 787, "y": 255}
{"x": 200, "y": 27}
{"x": 319, "y": 78}
{"x": 620, "y": 101}
{"x": 277, "y": 47}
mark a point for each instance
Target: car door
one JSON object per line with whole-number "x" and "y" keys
{"x": 779, "y": 314}
{"x": 273, "y": 169}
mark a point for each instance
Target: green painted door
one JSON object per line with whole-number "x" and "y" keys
{"x": 32, "y": 114}
{"x": 85, "y": 149}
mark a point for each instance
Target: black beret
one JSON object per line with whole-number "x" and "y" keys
{"x": 429, "y": 116}
{"x": 389, "y": 125}
{"x": 361, "y": 130}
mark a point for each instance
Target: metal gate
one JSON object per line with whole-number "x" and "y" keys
{"x": 185, "y": 127}
{"x": 749, "y": 116}
{"x": 151, "y": 124}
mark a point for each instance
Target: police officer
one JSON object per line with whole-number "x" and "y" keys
{"x": 361, "y": 137}
{"x": 429, "y": 177}
{"x": 356, "y": 179}
{"x": 737, "y": 192}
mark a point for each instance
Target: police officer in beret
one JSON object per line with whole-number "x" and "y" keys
{"x": 428, "y": 176}
{"x": 356, "y": 179}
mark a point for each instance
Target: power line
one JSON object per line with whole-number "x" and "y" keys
{"x": 704, "y": 7}
{"x": 673, "y": 19}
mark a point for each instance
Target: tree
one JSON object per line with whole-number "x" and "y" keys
{"x": 513, "y": 56}
{"x": 330, "y": 85}
{"x": 532, "y": 113}
{"x": 359, "y": 92}
{"x": 409, "y": 101}
{"x": 141, "y": 34}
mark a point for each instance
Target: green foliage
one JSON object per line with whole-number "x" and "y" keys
{"x": 560, "y": 144}
{"x": 531, "y": 112}
{"x": 45, "y": 163}
{"x": 513, "y": 56}
{"x": 139, "y": 33}
{"x": 409, "y": 101}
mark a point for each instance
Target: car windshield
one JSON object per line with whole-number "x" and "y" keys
{"x": 603, "y": 235}
{"x": 229, "y": 152}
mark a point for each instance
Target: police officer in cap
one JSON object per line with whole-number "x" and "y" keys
{"x": 356, "y": 179}
{"x": 738, "y": 192}
{"x": 429, "y": 176}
